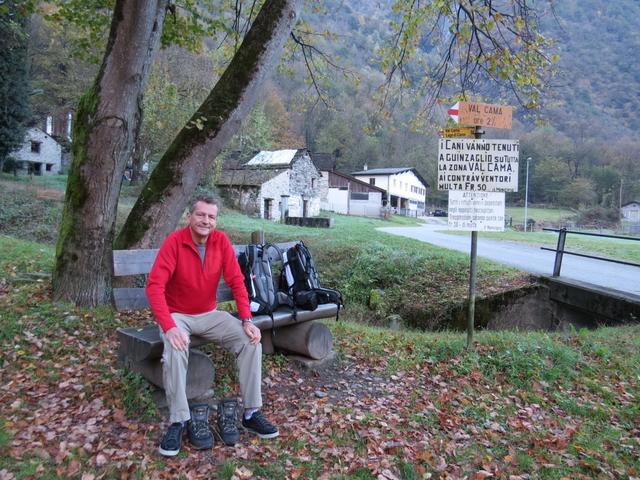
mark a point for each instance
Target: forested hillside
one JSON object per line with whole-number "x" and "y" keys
{"x": 581, "y": 151}
{"x": 598, "y": 43}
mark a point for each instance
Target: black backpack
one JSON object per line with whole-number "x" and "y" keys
{"x": 300, "y": 280}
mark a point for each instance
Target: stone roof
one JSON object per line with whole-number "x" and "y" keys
{"x": 323, "y": 161}
{"x": 247, "y": 177}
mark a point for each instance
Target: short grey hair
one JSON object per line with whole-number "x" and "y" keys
{"x": 204, "y": 199}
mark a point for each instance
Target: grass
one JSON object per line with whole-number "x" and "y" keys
{"x": 551, "y": 405}
{"x": 54, "y": 182}
{"x": 546, "y": 215}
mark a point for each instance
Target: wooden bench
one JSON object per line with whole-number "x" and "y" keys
{"x": 141, "y": 348}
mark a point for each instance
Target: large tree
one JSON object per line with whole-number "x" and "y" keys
{"x": 107, "y": 125}
{"x": 108, "y": 118}
{"x": 198, "y": 144}
{"x": 14, "y": 72}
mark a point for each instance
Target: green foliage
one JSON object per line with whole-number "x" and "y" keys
{"x": 187, "y": 24}
{"x": 14, "y": 71}
{"x": 136, "y": 396}
{"x": 25, "y": 216}
{"x": 24, "y": 255}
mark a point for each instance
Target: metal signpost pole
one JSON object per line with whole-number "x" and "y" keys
{"x": 471, "y": 312}
{"x": 526, "y": 195}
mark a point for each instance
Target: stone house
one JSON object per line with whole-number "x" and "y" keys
{"x": 272, "y": 184}
{"x": 342, "y": 193}
{"x": 40, "y": 154}
{"x": 405, "y": 188}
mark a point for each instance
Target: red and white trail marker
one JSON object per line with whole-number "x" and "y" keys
{"x": 453, "y": 112}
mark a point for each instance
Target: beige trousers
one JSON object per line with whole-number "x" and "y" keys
{"x": 226, "y": 330}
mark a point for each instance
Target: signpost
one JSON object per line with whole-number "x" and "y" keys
{"x": 478, "y": 165}
{"x": 458, "y": 132}
{"x": 481, "y": 114}
{"x": 477, "y": 172}
{"x": 476, "y": 211}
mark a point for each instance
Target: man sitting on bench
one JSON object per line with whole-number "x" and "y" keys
{"x": 182, "y": 294}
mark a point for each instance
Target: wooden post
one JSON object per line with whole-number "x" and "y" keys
{"x": 257, "y": 237}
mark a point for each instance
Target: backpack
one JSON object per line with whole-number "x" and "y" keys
{"x": 301, "y": 281}
{"x": 258, "y": 279}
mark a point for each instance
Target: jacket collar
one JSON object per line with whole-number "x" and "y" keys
{"x": 185, "y": 238}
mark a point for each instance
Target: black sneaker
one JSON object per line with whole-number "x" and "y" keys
{"x": 228, "y": 421}
{"x": 172, "y": 440}
{"x": 260, "y": 426}
{"x": 198, "y": 428}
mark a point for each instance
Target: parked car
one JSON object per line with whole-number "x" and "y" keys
{"x": 439, "y": 213}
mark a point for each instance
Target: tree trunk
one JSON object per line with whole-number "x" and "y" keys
{"x": 162, "y": 201}
{"x": 107, "y": 124}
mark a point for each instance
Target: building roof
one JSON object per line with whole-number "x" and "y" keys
{"x": 391, "y": 171}
{"x": 323, "y": 161}
{"x": 632, "y": 202}
{"x": 247, "y": 177}
{"x": 267, "y": 158}
{"x": 359, "y": 182}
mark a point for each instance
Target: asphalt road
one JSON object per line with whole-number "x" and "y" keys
{"x": 530, "y": 259}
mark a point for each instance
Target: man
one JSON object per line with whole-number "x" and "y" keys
{"x": 181, "y": 289}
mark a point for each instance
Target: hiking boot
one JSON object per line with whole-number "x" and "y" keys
{"x": 260, "y": 426}
{"x": 228, "y": 421}
{"x": 198, "y": 428}
{"x": 172, "y": 440}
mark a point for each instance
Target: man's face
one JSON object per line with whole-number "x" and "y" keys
{"x": 202, "y": 221}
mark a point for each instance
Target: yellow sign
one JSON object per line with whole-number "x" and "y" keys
{"x": 482, "y": 114}
{"x": 458, "y": 132}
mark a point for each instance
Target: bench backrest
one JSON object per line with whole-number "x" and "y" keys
{"x": 139, "y": 262}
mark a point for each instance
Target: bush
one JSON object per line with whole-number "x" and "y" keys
{"x": 598, "y": 217}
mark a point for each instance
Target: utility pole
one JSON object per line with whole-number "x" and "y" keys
{"x": 526, "y": 195}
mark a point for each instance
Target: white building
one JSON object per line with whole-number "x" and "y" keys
{"x": 272, "y": 185}
{"x": 631, "y": 211}
{"x": 405, "y": 188}
{"x": 40, "y": 154}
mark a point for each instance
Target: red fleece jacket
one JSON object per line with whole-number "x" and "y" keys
{"x": 179, "y": 283}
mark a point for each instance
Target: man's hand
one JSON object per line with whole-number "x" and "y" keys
{"x": 252, "y": 332}
{"x": 177, "y": 338}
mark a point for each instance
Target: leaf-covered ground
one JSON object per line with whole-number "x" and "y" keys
{"x": 393, "y": 405}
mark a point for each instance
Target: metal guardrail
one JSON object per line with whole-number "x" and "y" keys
{"x": 560, "y": 251}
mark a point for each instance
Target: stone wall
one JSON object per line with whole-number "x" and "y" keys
{"x": 40, "y": 154}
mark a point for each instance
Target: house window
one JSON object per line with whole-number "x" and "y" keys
{"x": 35, "y": 146}
{"x": 372, "y": 181}
{"x": 313, "y": 183}
{"x": 49, "y": 166}
{"x": 359, "y": 195}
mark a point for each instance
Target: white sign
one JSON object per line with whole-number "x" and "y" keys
{"x": 480, "y": 165}
{"x": 476, "y": 211}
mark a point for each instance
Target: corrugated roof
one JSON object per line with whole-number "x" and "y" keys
{"x": 382, "y": 171}
{"x": 392, "y": 171}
